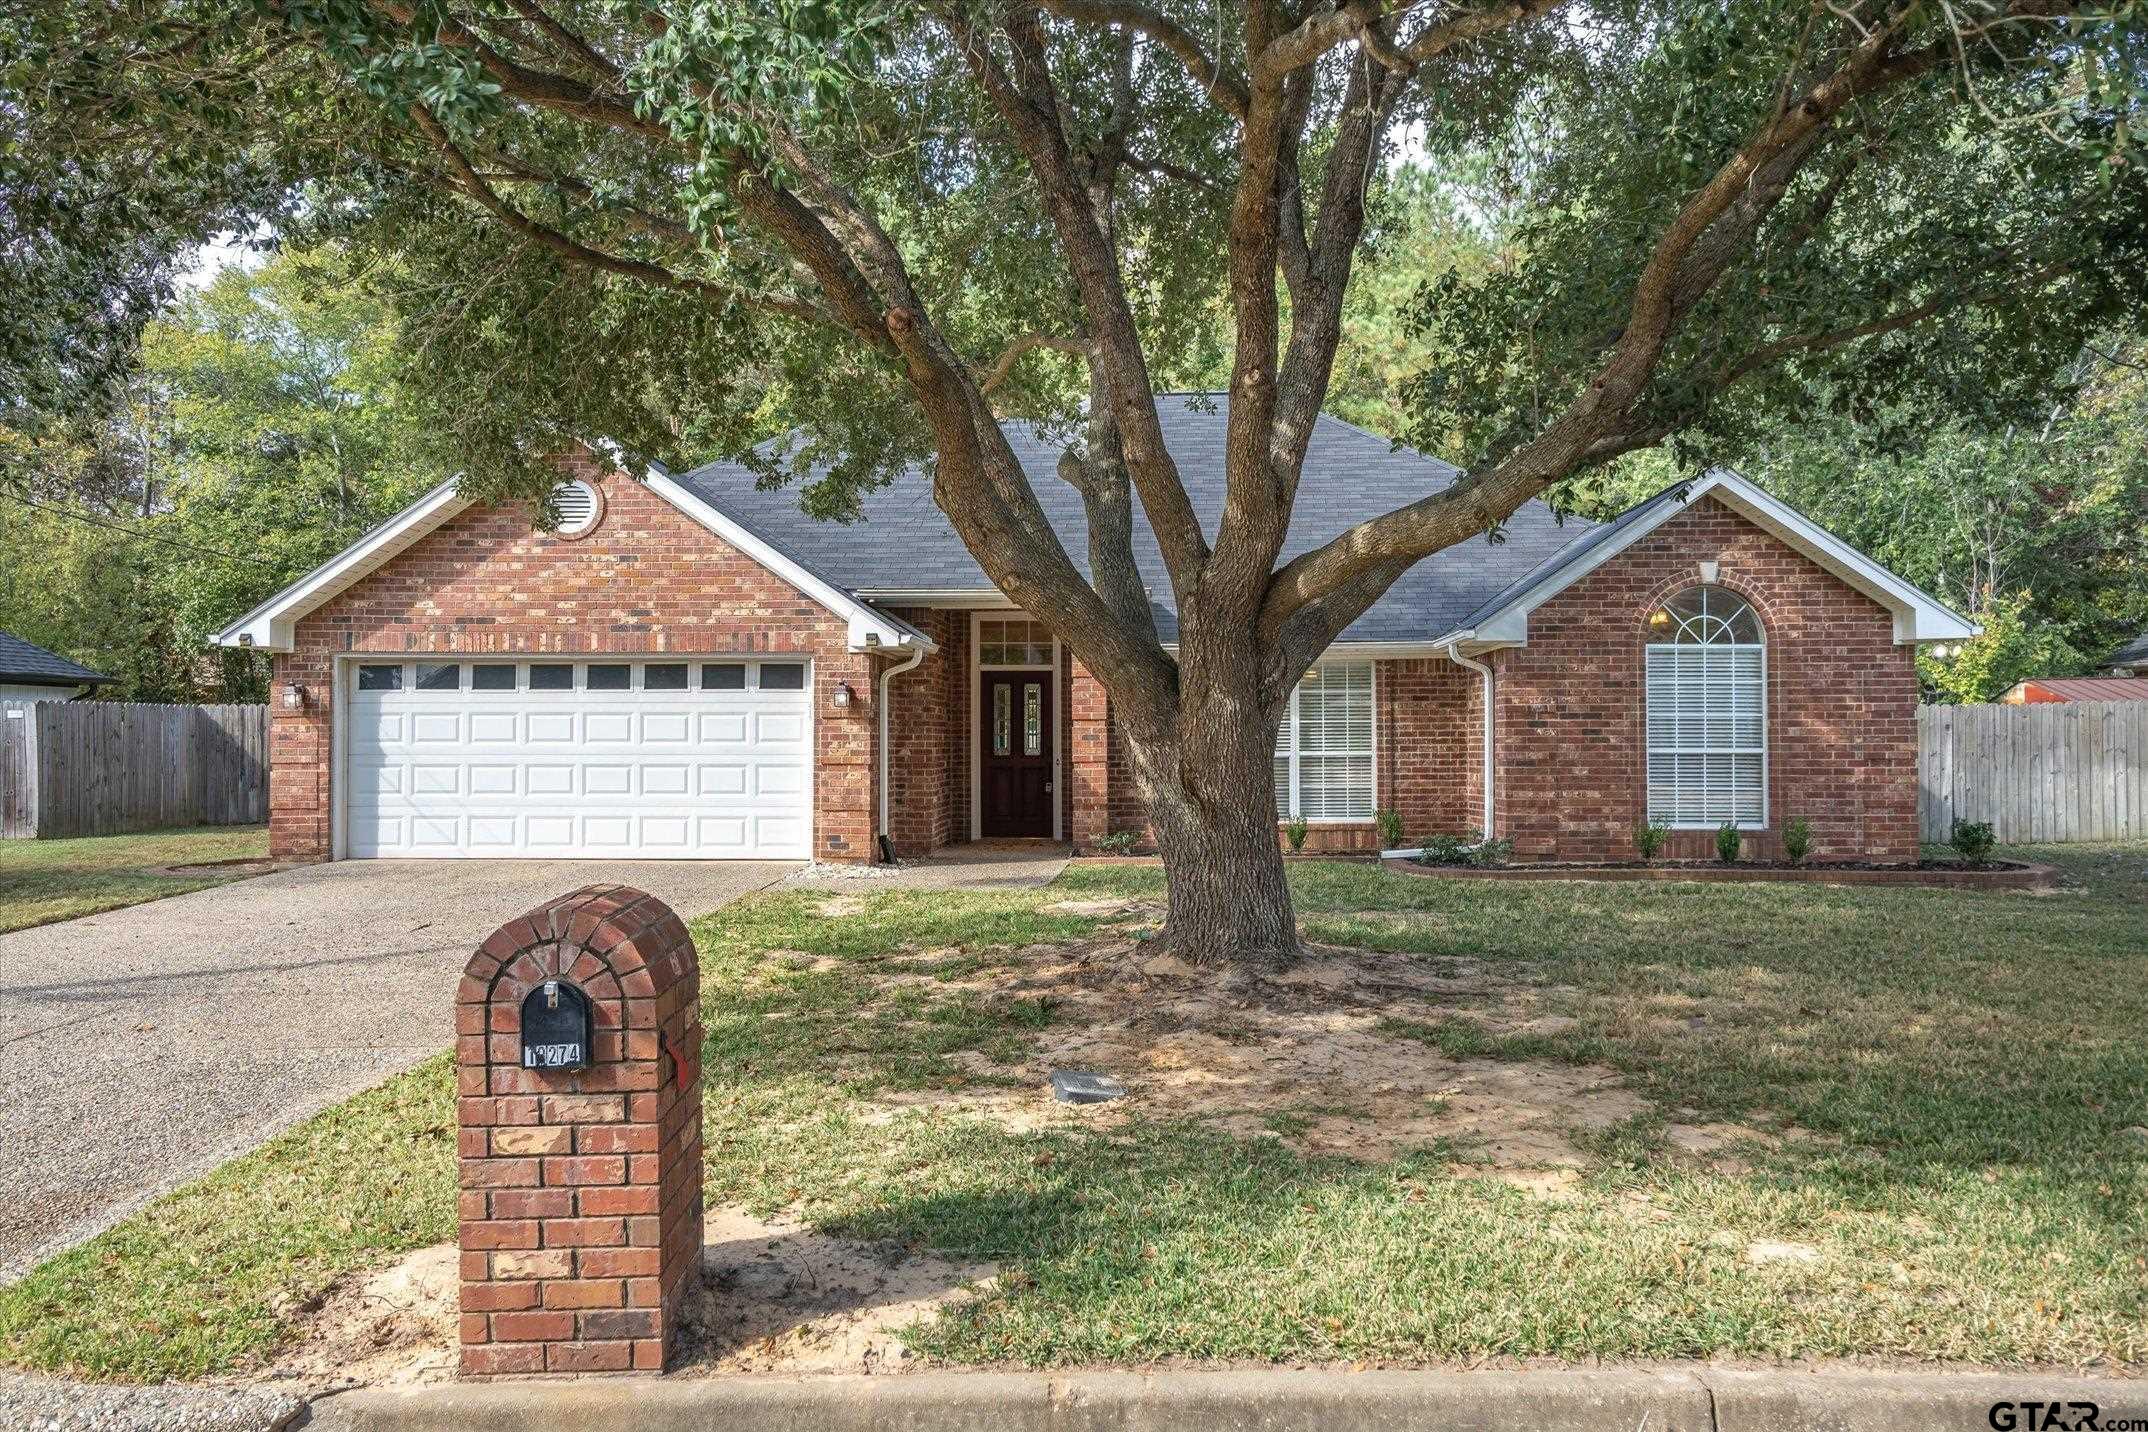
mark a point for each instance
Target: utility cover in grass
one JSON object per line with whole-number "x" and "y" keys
{"x": 1073, "y": 1086}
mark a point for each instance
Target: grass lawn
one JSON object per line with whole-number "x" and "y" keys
{"x": 46, "y": 880}
{"x": 1900, "y": 1124}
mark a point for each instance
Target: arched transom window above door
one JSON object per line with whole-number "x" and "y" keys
{"x": 1707, "y": 711}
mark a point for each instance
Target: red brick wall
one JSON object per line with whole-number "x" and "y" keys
{"x": 923, "y": 706}
{"x": 646, "y": 579}
{"x": 1430, "y": 745}
{"x": 1842, "y": 697}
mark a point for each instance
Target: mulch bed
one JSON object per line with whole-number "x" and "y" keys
{"x": 1996, "y": 875}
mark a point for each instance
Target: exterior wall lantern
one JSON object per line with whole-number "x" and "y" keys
{"x": 843, "y": 696}
{"x": 294, "y": 697}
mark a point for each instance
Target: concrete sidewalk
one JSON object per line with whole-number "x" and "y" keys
{"x": 1700, "y": 1400}
{"x": 142, "y": 1047}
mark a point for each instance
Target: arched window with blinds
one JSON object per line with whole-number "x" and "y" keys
{"x": 1707, "y": 712}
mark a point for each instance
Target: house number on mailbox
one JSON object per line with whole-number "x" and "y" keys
{"x": 555, "y": 1027}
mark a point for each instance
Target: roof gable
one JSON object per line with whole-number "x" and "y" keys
{"x": 1503, "y": 620}
{"x": 271, "y": 625}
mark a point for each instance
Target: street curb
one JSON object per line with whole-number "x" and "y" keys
{"x": 1701, "y": 1400}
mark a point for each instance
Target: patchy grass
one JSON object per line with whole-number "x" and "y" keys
{"x": 199, "y": 1282}
{"x": 1932, "y": 1097}
{"x": 46, "y": 880}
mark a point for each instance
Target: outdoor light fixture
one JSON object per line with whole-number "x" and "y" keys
{"x": 294, "y": 697}
{"x": 844, "y": 696}
{"x": 1659, "y": 618}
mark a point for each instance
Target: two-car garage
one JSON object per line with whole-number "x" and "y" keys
{"x": 654, "y": 758}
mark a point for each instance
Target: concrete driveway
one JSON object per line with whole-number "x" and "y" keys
{"x": 142, "y": 1047}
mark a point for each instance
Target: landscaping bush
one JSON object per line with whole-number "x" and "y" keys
{"x": 1445, "y": 850}
{"x": 1390, "y": 823}
{"x": 1797, "y": 839}
{"x": 1728, "y": 840}
{"x": 1467, "y": 849}
{"x": 1295, "y": 834}
{"x": 1972, "y": 841}
{"x": 1119, "y": 842}
{"x": 1650, "y": 839}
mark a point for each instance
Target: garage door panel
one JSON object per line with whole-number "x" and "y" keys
{"x": 549, "y": 780}
{"x": 608, "y": 780}
{"x": 667, "y": 728}
{"x": 495, "y": 728}
{"x": 436, "y": 728}
{"x": 703, "y": 773}
{"x": 608, "y": 727}
{"x": 664, "y": 780}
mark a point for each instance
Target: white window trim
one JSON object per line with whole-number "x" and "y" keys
{"x": 978, "y": 668}
{"x": 1372, "y": 751}
{"x": 1650, "y": 750}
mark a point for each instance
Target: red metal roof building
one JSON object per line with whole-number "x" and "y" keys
{"x": 2039, "y": 689}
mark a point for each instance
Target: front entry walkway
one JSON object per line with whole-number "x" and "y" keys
{"x": 142, "y": 1047}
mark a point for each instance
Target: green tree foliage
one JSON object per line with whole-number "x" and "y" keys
{"x": 267, "y": 425}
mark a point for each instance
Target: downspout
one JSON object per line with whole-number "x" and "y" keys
{"x": 887, "y": 846}
{"x": 1454, "y": 654}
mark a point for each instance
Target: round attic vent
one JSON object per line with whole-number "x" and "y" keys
{"x": 578, "y": 507}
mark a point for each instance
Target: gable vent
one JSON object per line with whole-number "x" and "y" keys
{"x": 576, "y": 504}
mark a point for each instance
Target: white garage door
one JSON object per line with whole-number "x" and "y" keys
{"x": 698, "y": 760}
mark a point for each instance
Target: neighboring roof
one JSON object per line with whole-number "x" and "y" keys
{"x": 2133, "y": 653}
{"x": 1918, "y": 615}
{"x": 24, "y": 663}
{"x": 270, "y": 625}
{"x": 904, "y": 550}
{"x": 2087, "y": 688}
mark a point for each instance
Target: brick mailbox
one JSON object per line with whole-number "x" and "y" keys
{"x": 578, "y": 1066}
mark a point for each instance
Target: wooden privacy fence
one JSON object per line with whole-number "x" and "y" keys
{"x": 2075, "y": 770}
{"x": 104, "y": 767}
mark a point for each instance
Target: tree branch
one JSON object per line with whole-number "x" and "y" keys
{"x": 1226, "y": 90}
{"x": 1026, "y": 344}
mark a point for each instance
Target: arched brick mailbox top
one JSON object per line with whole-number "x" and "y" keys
{"x": 580, "y": 1215}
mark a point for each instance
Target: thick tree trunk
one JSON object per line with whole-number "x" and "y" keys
{"x": 1210, "y": 786}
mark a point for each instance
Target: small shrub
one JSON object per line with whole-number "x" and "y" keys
{"x": 1445, "y": 850}
{"x": 1489, "y": 852}
{"x": 1972, "y": 841}
{"x": 1390, "y": 823}
{"x": 1295, "y": 834}
{"x": 1468, "y": 849}
{"x": 1797, "y": 839}
{"x": 1119, "y": 842}
{"x": 1650, "y": 839}
{"x": 1728, "y": 840}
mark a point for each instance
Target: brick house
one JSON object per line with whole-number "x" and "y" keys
{"x": 689, "y": 667}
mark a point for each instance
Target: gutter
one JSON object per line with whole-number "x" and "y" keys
{"x": 1454, "y": 654}
{"x": 887, "y": 848}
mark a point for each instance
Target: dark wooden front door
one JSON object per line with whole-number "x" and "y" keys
{"x": 1015, "y": 765}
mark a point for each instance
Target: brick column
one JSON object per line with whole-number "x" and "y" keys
{"x": 581, "y": 1190}
{"x": 1090, "y": 758}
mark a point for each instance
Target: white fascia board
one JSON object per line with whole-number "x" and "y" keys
{"x": 1369, "y": 650}
{"x": 1918, "y": 616}
{"x": 865, "y": 623}
{"x": 964, "y": 598}
{"x": 269, "y": 626}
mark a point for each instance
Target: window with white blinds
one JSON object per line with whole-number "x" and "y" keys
{"x": 1323, "y": 753}
{"x": 1707, "y": 712}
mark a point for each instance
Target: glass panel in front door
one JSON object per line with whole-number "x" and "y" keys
{"x": 1032, "y": 719}
{"x": 1002, "y": 719}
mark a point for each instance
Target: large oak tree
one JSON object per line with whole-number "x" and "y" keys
{"x": 895, "y": 224}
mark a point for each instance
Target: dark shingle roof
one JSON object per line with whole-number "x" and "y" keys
{"x": 904, "y": 542}
{"x": 27, "y": 664}
{"x": 2133, "y": 653}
